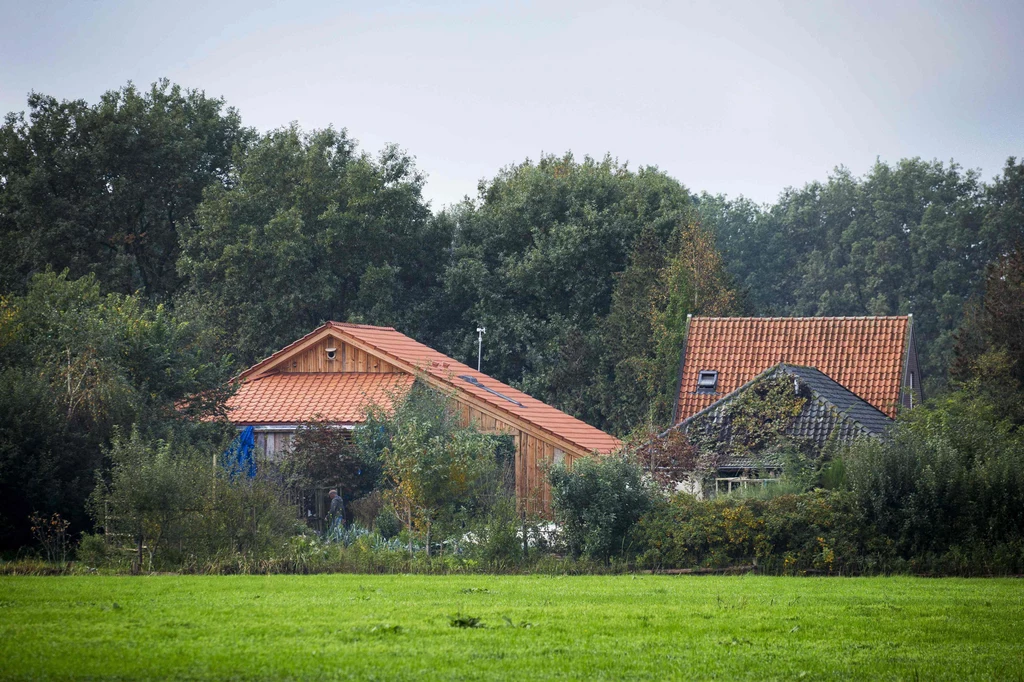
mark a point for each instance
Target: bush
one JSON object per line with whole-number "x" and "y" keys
{"x": 950, "y": 478}
{"x": 387, "y": 524}
{"x": 165, "y": 502}
{"x": 153, "y": 488}
{"x": 439, "y": 474}
{"x": 93, "y": 550}
{"x": 244, "y": 517}
{"x": 597, "y": 502}
{"x": 499, "y": 538}
{"x": 820, "y": 531}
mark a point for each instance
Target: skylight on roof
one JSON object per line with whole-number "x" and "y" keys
{"x": 707, "y": 381}
{"x": 476, "y": 382}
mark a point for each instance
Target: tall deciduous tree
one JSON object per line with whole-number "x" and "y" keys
{"x": 75, "y": 365}
{"x": 104, "y": 188}
{"x": 534, "y": 261}
{"x": 309, "y": 229}
{"x": 913, "y": 237}
{"x": 646, "y": 328}
{"x": 989, "y": 351}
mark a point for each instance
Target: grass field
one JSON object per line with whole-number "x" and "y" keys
{"x": 333, "y": 627}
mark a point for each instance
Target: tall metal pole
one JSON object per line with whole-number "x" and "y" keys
{"x": 479, "y": 346}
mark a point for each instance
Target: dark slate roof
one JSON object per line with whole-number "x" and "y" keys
{"x": 825, "y": 389}
{"x": 831, "y": 411}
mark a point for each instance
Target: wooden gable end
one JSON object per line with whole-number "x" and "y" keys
{"x": 314, "y": 358}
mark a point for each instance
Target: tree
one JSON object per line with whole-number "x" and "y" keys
{"x": 534, "y": 260}
{"x": 989, "y": 351}
{"x": 153, "y": 488}
{"x": 103, "y": 189}
{"x": 913, "y": 237}
{"x": 645, "y": 331}
{"x": 439, "y": 473}
{"x": 309, "y": 229}
{"x": 322, "y": 454}
{"x": 76, "y": 365}
{"x": 597, "y": 502}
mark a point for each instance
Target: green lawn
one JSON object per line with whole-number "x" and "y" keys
{"x": 332, "y": 627}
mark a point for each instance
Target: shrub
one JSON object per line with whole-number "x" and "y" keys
{"x": 950, "y": 477}
{"x": 93, "y": 550}
{"x": 387, "y": 524}
{"x": 499, "y": 538}
{"x": 152, "y": 488}
{"x": 324, "y": 455}
{"x": 440, "y": 475}
{"x": 164, "y": 501}
{"x": 597, "y": 502}
{"x": 820, "y": 530}
{"x": 244, "y": 517}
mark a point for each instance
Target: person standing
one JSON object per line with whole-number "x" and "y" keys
{"x": 336, "y": 513}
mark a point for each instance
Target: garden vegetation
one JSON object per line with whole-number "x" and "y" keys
{"x": 153, "y": 246}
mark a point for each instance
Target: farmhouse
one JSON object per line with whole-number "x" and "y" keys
{"x": 750, "y": 387}
{"x": 785, "y": 408}
{"x": 336, "y": 371}
{"x": 875, "y": 358}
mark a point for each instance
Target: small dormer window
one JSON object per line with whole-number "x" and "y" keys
{"x": 707, "y": 381}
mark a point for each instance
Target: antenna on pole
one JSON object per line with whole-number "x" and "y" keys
{"x": 479, "y": 346}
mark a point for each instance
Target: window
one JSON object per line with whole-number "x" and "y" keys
{"x": 707, "y": 381}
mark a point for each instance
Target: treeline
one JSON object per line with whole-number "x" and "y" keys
{"x": 914, "y": 237}
{"x": 151, "y": 245}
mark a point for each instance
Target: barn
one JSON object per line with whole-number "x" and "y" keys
{"x": 339, "y": 369}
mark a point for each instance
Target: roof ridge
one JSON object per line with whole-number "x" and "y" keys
{"x": 354, "y": 325}
{"x": 447, "y": 369}
{"x": 821, "y": 397}
{"x": 808, "y": 317}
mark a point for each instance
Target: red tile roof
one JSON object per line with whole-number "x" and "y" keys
{"x": 402, "y": 351}
{"x": 866, "y": 355}
{"x": 295, "y": 398}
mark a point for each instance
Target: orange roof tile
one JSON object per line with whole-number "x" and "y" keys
{"x": 402, "y": 351}
{"x": 866, "y": 355}
{"x": 294, "y": 398}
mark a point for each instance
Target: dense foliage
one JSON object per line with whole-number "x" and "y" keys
{"x": 75, "y": 365}
{"x": 914, "y": 237}
{"x": 309, "y": 229}
{"x": 167, "y": 503}
{"x": 583, "y": 273}
{"x": 323, "y": 455}
{"x": 103, "y": 189}
{"x": 950, "y": 479}
{"x": 150, "y": 246}
{"x": 818, "y": 531}
{"x": 596, "y": 503}
{"x": 440, "y": 476}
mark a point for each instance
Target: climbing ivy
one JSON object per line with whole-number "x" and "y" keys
{"x": 753, "y": 422}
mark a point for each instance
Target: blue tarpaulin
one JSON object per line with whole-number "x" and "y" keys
{"x": 240, "y": 458}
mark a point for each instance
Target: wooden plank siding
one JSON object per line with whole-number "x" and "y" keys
{"x": 535, "y": 447}
{"x": 347, "y": 358}
{"x": 534, "y": 454}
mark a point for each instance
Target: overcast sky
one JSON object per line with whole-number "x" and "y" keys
{"x": 729, "y": 97}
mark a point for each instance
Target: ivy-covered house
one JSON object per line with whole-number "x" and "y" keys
{"x": 753, "y": 389}
{"x": 786, "y": 411}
